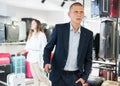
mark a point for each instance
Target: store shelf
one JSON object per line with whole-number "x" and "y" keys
{"x": 13, "y": 43}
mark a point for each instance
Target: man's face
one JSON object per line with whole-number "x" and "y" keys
{"x": 76, "y": 14}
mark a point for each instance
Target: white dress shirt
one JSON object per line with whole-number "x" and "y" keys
{"x": 71, "y": 64}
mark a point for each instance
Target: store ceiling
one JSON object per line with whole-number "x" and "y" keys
{"x": 37, "y": 4}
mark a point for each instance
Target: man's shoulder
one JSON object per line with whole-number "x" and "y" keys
{"x": 62, "y": 24}
{"x": 87, "y": 30}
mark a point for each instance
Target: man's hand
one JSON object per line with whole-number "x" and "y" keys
{"x": 86, "y": 84}
{"x": 80, "y": 80}
{"x": 47, "y": 67}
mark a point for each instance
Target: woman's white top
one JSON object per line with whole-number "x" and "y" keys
{"x": 35, "y": 46}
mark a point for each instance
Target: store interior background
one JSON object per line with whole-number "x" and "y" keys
{"x": 50, "y": 12}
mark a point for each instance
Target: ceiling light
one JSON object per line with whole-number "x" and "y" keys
{"x": 63, "y": 3}
{"x": 42, "y": 1}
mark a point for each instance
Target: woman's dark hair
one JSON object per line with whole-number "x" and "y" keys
{"x": 38, "y": 28}
{"x": 39, "y": 25}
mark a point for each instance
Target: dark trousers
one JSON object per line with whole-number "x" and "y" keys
{"x": 67, "y": 79}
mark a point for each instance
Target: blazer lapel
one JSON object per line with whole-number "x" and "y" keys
{"x": 66, "y": 38}
{"x": 81, "y": 41}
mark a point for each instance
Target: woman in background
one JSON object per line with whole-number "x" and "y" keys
{"x": 35, "y": 46}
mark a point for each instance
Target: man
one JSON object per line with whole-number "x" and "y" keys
{"x": 72, "y": 60}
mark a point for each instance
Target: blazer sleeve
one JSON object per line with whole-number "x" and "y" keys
{"x": 88, "y": 59}
{"x": 49, "y": 47}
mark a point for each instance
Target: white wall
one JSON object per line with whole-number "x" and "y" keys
{"x": 87, "y": 7}
{"x": 49, "y": 17}
{"x": 52, "y": 17}
{"x": 93, "y": 25}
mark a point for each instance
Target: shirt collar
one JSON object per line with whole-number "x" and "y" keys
{"x": 71, "y": 28}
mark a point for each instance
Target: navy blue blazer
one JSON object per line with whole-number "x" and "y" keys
{"x": 60, "y": 40}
